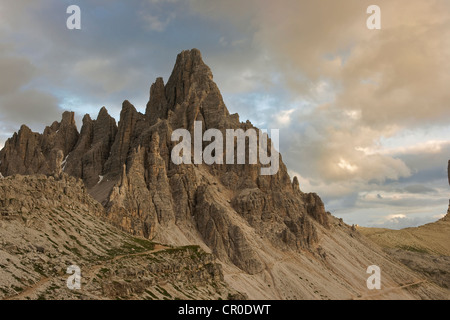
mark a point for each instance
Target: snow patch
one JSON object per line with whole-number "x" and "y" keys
{"x": 100, "y": 179}
{"x": 63, "y": 164}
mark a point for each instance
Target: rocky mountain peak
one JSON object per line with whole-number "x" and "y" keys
{"x": 103, "y": 113}
{"x": 86, "y": 119}
{"x": 189, "y": 69}
{"x": 189, "y": 95}
{"x": 128, "y": 168}
{"x": 157, "y": 107}
{"x": 68, "y": 118}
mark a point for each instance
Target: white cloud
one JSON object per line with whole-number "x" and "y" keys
{"x": 223, "y": 42}
{"x": 428, "y": 147}
{"x": 401, "y": 221}
{"x": 156, "y": 23}
{"x": 102, "y": 74}
{"x": 283, "y": 118}
{"x": 347, "y": 166}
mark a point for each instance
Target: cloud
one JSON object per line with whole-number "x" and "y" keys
{"x": 102, "y": 74}
{"x": 19, "y": 71}
{"x": 397, "y": 75}
{"x": 427, "y": 147}
{"x": 332, "y": 139}
{"x": 154, "y": 23}
{"x": 283, "y": 118}
{"x": 30, "y": 107}
{"x": 155, "y": 16}
{"x": 401, "y": 221}
{"x": 419, "y": 189}
{"x": 20, "y": 104}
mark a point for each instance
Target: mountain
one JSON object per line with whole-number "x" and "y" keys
{"x": 272, "y": 240}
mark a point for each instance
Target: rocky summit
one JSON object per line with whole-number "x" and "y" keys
{"x": 270, "y": 239}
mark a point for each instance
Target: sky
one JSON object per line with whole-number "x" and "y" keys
{"x": 364, "y": 115}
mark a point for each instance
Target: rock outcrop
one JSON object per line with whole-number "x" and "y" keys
{"x": 88, "y": 157}
{"x": 48, "y": 224}
{"x": 28, "y": 152}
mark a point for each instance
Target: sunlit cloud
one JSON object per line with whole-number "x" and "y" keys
{"x": 347, "y": 166}
{"x": 283, "y": 118}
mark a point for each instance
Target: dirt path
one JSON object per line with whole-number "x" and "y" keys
{"x": 30, "y": 290}
{"x": 384, "y": 291}
{"x": 89, "y": 273}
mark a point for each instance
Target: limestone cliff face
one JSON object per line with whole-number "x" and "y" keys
{"x": 28, "y": 152}
{"x": 87, "y": 159}
{"x": 129, "y": 170}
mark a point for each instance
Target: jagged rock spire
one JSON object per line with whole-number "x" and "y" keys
{"x": 157, "y": 105}
{"x": 27, "y": 152}
{"x": 190, "y": 93}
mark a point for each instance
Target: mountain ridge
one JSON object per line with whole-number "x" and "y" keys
{"x": 134, "y": 161}
{"x": 272, "y": 239}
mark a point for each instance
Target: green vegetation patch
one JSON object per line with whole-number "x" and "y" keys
{"x": 413, "y": 249}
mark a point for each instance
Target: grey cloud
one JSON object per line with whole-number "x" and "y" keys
{"x": 20, "y": 104}
{"x": 397, "y": 223}
{"x": 419, "y": 189}
{"x": 16, "y": 71}
{"x": 30, "y": 107}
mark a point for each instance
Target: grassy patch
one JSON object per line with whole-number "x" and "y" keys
{"x": 17, "y": 279}
{"x": 49, "y": 239}
{"x": 176, "y": 287}
{"x": 53, "y": 287}
{"x": 413, "y": 249}
{"x": 41, "y": 297}
{"x": 17, "y": 289}
{"x": 163, "y": 291}
{"x": 134, "y": 245}
{"x": 146, "y": 244}
{"x": 73, "y": 250}
{"x": 194, "y": 251}
{"x": 151, "y": 294}
{"x": 104, "y": 270}
{"x": 39, "y": 269}
{"x": 5, "y": 292}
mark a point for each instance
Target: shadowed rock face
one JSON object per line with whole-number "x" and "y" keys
{"x": 87, "y": 159}
{"x": 28, "y": 152}
{"x": 129, "y": 170}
